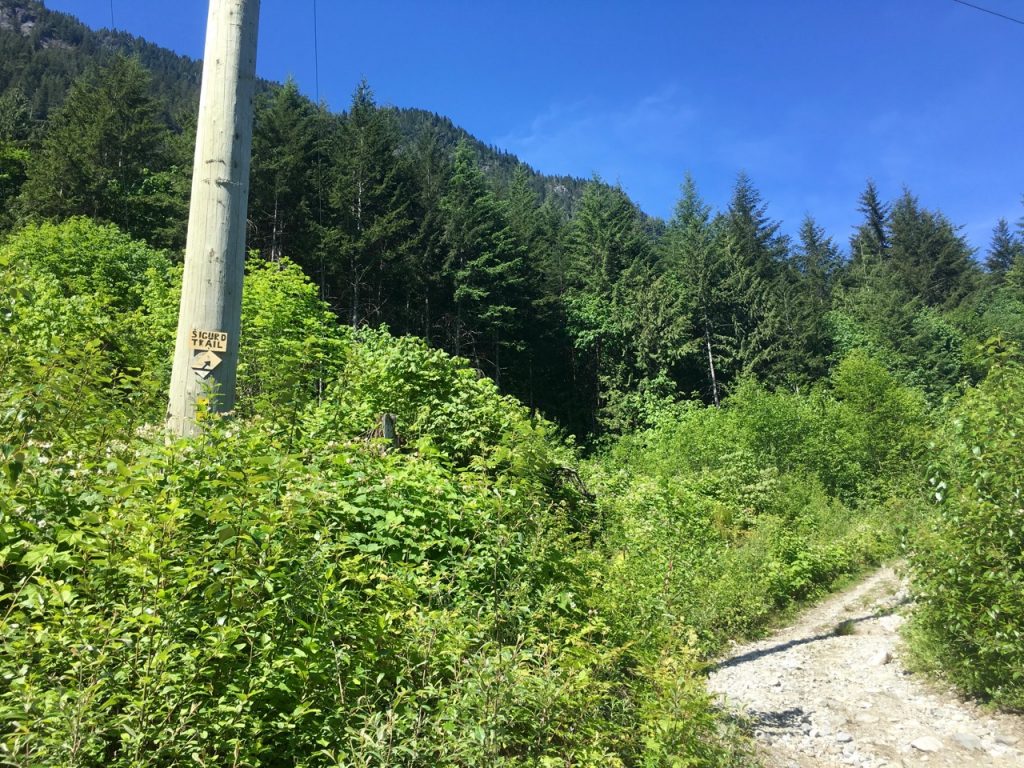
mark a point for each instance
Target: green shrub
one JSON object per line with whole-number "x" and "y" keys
{"x": 233, "y": 601}
{"x": 300, "y": 597}
{"x": 65, "y": 381}
{"x": 969, "y": 570}
{"x": 291, "y": 346}
{"x": 89, "y": 259}
{"x": 882, "y": 424}
{"x": 719, "y": 518}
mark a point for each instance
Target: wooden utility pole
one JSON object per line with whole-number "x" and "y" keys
{"x": 209, "y": 320}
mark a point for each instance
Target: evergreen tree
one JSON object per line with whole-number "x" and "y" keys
{"x": 284, "y": 182}
{"x": 371, "y": 227}
{"x": 755, "y": 238}
{"x": 14, "y": 155}
{"x": 1005, "y": 248}
{"x": 543, "y": 372}
{"x": 13, "y": 172}
{"x": 928, "y": 256}
{"x": 692, "y": 254}
{"x": 428, "y": 297}
{"x": 871, "y": 240}
{"x": 755, "y": 260}
{"x": 881, "y": 314}
{"x": 817, "y": 259}
{"x": 1015, "y": 274}
{"x": 99, "y": 149}
{"x": 750, "y": 341}
{"x": 484, "y": 264}
{"x": 15, "y": 118}
{"x": 624, "y": 315}
{"x": 816, "y": 265}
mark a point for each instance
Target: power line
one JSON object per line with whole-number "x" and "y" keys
{"x": 319, "y": 150}
{"x": 987, "y": 10}
{"x": 316, "y": 55}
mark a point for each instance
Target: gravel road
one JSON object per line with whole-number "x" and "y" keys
{"x": 831, "y": 690}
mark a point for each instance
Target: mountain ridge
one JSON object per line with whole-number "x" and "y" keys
{"x": 42, "y": 52}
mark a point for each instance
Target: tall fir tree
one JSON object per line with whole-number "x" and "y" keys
{"x": 755, "y": 255}
{"x": 542, "y": 370}
{"x": 870, "y": 242}
{"x": 98, "y": 151}
{"x": 284, "y": 182}
{"x": 623, "y": 313}
{"x": 928, "y": 256}
{"x": 427, "y": 299}
{"x": 15, "y": 117}
{"x": 1006, "y": 247}
{"x": 816, "y": 266}
{"x": 691, "y": 253}
{"x": 371, "y": 205}
{"x": 485, "y": 266}
{"x": 756, "y": 238}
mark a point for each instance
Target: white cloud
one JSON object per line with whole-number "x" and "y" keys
{"x": 585, "y": 137}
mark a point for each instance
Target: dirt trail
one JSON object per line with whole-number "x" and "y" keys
{"x": 831, "y": 690}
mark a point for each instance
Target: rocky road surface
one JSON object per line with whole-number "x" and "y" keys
{"x": 831, "y": 690}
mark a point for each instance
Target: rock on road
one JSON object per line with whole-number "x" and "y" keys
{"x": 831, "y": 690}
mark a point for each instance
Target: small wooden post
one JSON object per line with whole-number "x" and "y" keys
{"x": 209, "y": 320}
{"x": 387, "y": 428}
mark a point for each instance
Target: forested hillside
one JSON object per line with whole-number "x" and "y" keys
{"x": 622, "y": 441}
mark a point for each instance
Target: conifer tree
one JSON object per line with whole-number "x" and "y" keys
{"x": 871, "y": 240}
{"x": 427, "y": 299}
{"x": 624, "y": 315}
{"x": 542, "y": 369}
{"x": 692, "y": 254}
{"x": 14, "y": 155}
{"x": 928, "y": 256}
{"x": 370, "y": 201}
{"x": 755, "y": 260}
{"x": 756, "y": 238}
{"x": 99, "y": 149}
{"x": 1005, "y": 248}
{"x": 816, "y": 265}
{"x": 15, "y": 121}
{"x": 603, "y": 240}
{"x": 484, "y": 264}
{"x": 284, "y": 180}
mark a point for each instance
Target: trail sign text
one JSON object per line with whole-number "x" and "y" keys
{"x": 213, "y": 341}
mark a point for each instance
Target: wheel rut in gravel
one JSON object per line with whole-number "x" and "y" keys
{"x": 831, "y": 690}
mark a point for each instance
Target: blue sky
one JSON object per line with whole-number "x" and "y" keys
{"x": 809, "y": 97}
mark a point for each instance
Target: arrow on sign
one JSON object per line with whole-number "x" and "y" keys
{"x": 205, "y": 363}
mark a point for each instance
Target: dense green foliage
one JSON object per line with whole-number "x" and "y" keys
{"x": 563, "y": 292}
{"x": 720, "y": 517}
{"x": 759, "y": 416}
{"x": 283, "y": 591}
{"x": 971, "y": 565}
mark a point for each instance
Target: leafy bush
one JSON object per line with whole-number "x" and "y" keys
{"x": 720, "y": 517}
{"x": 90, "y": 260}
{"x": 283, "y": 591}
{"x": 443, "y": 407}
{"x": 291, "y": 345}
{"x": 970, "y": 569}
{"x": 64, "y": 380}
{"x": 228, "y": 603}
{"x": 883, "y": 423}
